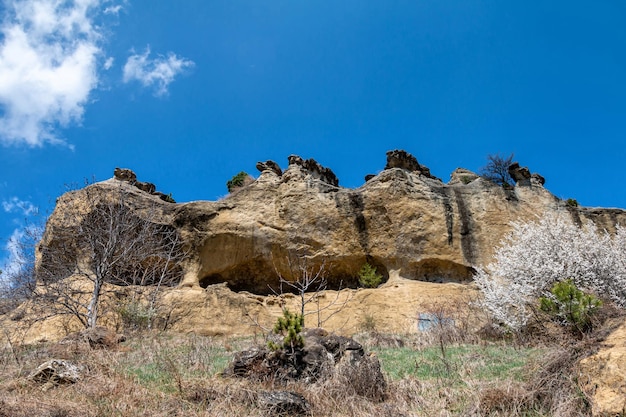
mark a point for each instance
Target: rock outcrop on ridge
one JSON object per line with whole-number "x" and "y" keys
{"x": 402, "y": 219}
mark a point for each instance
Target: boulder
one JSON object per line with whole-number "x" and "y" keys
{"x": 523, "y": 177}
{"x": 55, "y": 372}
{"x": 164, "y": 197}
{"x": 283, "y": 403}
{"x": 125, "y": 174}
{"x": 519, "y": 174}
{"x": 404, "y": 160}
{"x": 97, "y": 338}
{"x": 323, "y": 356}
{"x": 147, "y": 187}
{"x": 536, "y": 179}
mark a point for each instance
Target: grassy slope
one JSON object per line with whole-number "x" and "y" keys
{"x": 168, "y": 374}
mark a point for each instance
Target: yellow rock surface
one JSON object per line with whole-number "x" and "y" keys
{"x": 603, "y": 376}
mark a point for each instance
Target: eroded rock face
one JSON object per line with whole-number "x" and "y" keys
{"x": 401, "y": 219}
{"x": 602, "y": 376}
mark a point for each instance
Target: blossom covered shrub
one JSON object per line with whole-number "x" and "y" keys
{"x": 536, "y": 255}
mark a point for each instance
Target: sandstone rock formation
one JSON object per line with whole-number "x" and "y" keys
{"x": 269, "y": 166}
{"x": 401, "y": 219}
{"x": 129, "y": 176}
{"x": 602, "y": 376}
{"x": 462, "y": 176}
{"x": 522, "y": 176}
{"x": 404, "y": 160}
{"x": 424, "y": 236}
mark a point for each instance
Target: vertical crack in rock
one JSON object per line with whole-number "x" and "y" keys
{"x": 357, "y": 206}
{"x": 449, "y": 212}
{"x": 449, "y": 220}
{"x": 468, "y": 246}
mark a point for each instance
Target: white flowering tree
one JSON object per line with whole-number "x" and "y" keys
{"x": 536, "y": 255}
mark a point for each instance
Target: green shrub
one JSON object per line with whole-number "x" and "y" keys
{"x": 368, "y": 324}
{"x": 236, "y": 181}
{"x": 289, "y": 326}
{"x": 570, "y": 202}
{"x": 466, "y": 179}
{"x": 168, "y": 198}
{"x": 368, "y": 277}
{"x": 136, "y": 315}
{"x": 570, "y": 306}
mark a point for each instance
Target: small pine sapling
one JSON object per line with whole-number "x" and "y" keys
{"x": 570, "y": 306}
{"x": 369, "y": 277}
{"x": 289, "y": 326}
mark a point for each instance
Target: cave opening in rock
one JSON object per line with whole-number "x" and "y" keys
{"x": 262, "y": 278}
{"x": 441, "y": 271}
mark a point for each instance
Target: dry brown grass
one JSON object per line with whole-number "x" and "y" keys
{"x": 178, "y": 375}
{"x": 162, "y": 375}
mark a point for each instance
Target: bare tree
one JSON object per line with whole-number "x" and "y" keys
{"x": 497, "y": 169}
{"x": 107, "y": 241}
{"x": 308, "y": 281}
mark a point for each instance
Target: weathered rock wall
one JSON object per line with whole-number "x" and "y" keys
{"x": 402, "y": 219}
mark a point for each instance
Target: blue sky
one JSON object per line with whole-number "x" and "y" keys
{"x": 188, "y": 93}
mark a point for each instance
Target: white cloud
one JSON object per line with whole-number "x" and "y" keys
{"x": 108, "y": 63}
{"x": 15, "y": 205}
{"x": 19, "y": 249}
{"x": 114, "y": 10}
{"x": 15, "y": 255}
{"x": 48, "y": 67}
{"x": 158, "y": 72}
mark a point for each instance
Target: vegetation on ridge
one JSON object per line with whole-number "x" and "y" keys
{"x": 238, "y": 180}
{"x": 497, "y": 170}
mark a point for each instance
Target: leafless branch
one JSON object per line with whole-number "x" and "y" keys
{"x": 308, "y": 281}
{"x": 497, "y": 169}
{"x": 104, "y": 242}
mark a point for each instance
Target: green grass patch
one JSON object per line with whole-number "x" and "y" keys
{"x": 161, "y": 361}
{"x": 472, "y": 361}
{"x": 152, "y": 375}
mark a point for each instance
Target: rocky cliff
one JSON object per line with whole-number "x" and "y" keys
{"x": 404, "y": 221}
{"x": 401, "y": 219}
